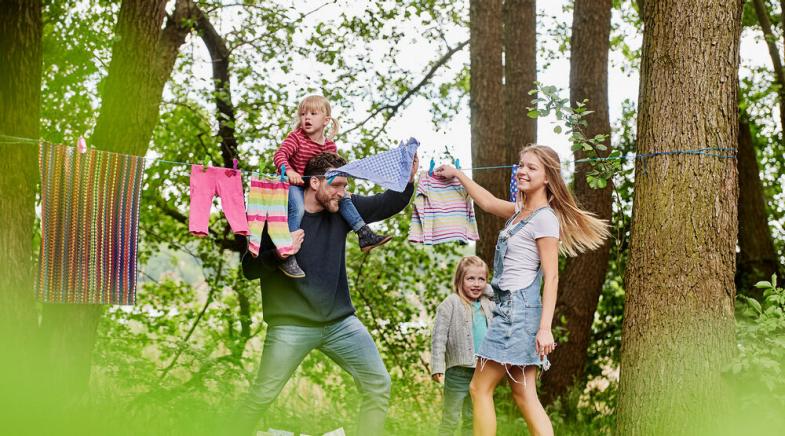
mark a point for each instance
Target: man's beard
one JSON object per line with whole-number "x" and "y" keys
{"x": 326, "y": 201}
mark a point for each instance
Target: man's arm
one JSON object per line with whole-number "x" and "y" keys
{"x": 382, "y": 206}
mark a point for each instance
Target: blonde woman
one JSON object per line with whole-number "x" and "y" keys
{"x": 519, "y": 338}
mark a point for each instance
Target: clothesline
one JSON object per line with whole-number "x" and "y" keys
{"x": 707, "y": 151}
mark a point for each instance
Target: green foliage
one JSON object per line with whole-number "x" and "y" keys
{"x": 760, "y": 364}
{"x": 572, "y": 121}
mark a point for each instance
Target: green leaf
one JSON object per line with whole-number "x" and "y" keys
{"x": 557, "y": 129}
{"x": 754, "y": 304}
{"x": 763, "y": 285}
{"x": 534, "y": 113}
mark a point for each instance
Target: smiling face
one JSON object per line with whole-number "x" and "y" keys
{"x": 473, "y": 282}
{"x": 531, "y": 173}
{"x": 329, "y": 195}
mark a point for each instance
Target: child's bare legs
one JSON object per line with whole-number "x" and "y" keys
{"x": 486, "y": 376}
{"x": 525, "y": 396}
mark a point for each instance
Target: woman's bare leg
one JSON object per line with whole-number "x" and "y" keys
{"x": 486, "y": 376}
{"x": 525, "y": 396}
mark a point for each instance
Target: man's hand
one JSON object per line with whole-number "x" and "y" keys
{"x": 297, "y": 242}
{"x": 438, "y": 378}
{"x": 415, "y": 167}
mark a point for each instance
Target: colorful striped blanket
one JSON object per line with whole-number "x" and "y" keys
{"x": 89, "y": 226}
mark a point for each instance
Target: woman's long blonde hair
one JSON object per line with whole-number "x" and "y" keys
{"x": 460, "y": 273}
{"x": 319, "y": 103}
{"x": 580, "y": 230}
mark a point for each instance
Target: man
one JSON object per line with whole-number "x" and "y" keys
{"x": 316, "y": 312}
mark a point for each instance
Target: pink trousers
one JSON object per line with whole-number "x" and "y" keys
{"x": 228, "y": 185}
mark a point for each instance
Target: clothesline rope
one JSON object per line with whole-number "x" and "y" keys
{"x": 707, "y": 151}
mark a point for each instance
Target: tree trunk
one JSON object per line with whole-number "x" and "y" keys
{"x": 487, "y": 117}
{"x": 581, "y": 282}
{"x": 520, "y": 73}
{"x": 678, "y": 329}
{"x": 757, "y": 257}
{"x": 143, "y": 56}
{"x": 20, "y": 108}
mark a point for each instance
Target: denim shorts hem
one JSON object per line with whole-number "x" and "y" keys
{"x": 542, "y": 365}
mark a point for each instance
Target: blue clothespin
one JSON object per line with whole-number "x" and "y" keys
{"x": 331, "y": 178}
{"x": 283, "y": 172}
{"x": 457, "y": 163}
{"x": 205, "y": 163}
{"x": 432, "y": 166}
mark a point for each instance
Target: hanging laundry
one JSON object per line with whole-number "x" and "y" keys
{"x": 390, "y": 169}
{"x": 442, "y": 212}
{"x": 268, "y": 201}
{"x": 514, "y": 184}
{"x": 227, "y": 183}
{"x": 89, "y": 226}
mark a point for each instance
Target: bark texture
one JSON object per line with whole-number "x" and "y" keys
{"x": 678, "y": 329}
{"x": 486, "y": 99}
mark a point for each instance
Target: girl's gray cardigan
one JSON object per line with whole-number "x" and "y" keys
{"x": 452, "y": 343}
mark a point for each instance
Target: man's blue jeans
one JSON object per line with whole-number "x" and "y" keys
{"x": 347, "y": 343}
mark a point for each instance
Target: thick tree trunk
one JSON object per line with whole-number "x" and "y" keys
{"x": 520, "y": 73}
{"x": 487, "y": 116}
{"x": 581, "y": 282}
{"x": 678, "y": 329}
{"x": 757, "y": 257}
{"x": 143, "y": 56}
{"x": 20, "y": 108}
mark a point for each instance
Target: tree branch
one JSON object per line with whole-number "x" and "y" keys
{"x": 392, "y": 109}
{"x": 178, "y": 26}
{"x": 195, "y": 323}
{"x": 175, "y": 214}
{"x": 275, "y": 29}
{"x": 219, "y": 54}
{"x": 771, "y": 43}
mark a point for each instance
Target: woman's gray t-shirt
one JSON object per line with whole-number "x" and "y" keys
{"x": 522, "y": 258}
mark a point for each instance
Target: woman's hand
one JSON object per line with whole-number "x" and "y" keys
{"x": 438, "y": 378}
{"x": 544, "y": 342}
{"x": 445, "y": 171}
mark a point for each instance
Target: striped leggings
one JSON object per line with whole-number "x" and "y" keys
{"x": 268, "y": 202}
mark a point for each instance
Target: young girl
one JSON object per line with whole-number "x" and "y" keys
{"x": 520, "y": 338}
{"x": 460, "y": 326}
{"x": 304, "y": 142}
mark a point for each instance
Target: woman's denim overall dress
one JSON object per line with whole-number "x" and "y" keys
{"x": 511, "y": 335}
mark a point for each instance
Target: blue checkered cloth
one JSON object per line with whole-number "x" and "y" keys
{"x": 513, "y": 184}
{"x": 390, "y": 169}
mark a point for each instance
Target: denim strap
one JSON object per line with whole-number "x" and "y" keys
{"x": 501, "y": 243}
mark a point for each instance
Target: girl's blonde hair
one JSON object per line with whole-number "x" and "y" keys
{"x": 580, "y": 230}
{"x": 318, "y": 103}
{"x": 460, "y": 272}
